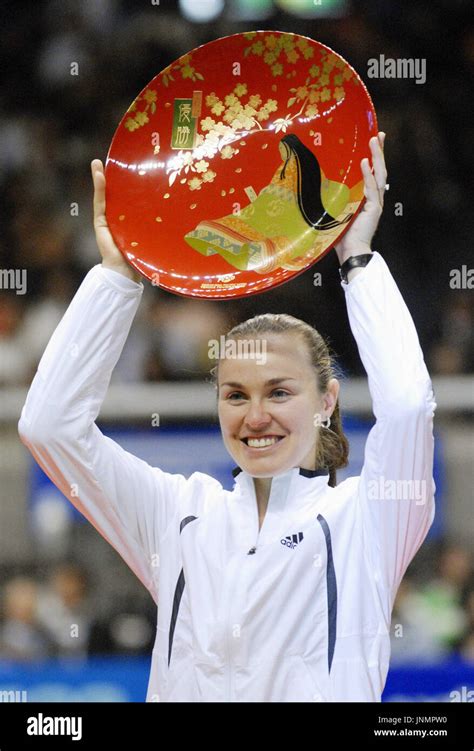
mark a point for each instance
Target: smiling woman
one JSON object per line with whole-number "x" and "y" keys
{"x": 274, "y": 415}
{"x": 282, "y": 588}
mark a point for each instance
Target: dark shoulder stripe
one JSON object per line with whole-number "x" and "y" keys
{"x": 185, "y": 521}
{"x": 331, "y": 587}
{"x": 178, "y": 593}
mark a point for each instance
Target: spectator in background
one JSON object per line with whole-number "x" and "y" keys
{"x": 181, "y": 331}
{"x": 411, "y": 640}
{"x": 127, "y": 630}
{"x": 454, "y": 351}
{"x": 466, "y": 643}
{"x": 14, "y": 359}
{"x": 21, "y": 635}
{"x": 64, "y": 610}
{"x": 43, "y": 315}
{"x": 440, "y": 602}
{"x": 429, "y": 622}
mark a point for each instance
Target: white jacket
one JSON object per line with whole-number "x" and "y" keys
{"x": 305, "y": 617}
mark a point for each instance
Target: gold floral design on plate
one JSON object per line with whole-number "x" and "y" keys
{"x": 184, "y": 68}
{"x": 139, "y": 117}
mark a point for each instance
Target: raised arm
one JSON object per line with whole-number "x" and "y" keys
{"x": 396, "y": 488}
{"x": 129, "y": 502}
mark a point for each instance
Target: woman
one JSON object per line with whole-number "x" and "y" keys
{"x": 282, "y": 227}
{"x": 281, "y": 589}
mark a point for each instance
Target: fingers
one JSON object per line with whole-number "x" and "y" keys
{"x": 98, "y": 177}
{"x": 375, "y": 178}
{"x": 371, "y": 191}
{"x": 378, "y": 161}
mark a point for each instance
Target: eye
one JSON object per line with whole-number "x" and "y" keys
{"x": 280, "y": 393}
{"x": 235, "y": 396}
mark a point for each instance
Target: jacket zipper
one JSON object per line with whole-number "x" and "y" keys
{"x": 230, "y": 625}
{"x": 229, "y": 632}
{"x": 253, "y": 549}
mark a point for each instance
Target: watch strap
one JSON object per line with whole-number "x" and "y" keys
{"x": 354, "y": 262}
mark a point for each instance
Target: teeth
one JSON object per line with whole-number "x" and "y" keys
{"x": 259, "y": 443}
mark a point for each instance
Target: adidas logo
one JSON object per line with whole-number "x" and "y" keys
{"x": 291, "y": 541}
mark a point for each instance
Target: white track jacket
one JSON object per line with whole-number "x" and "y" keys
{"x": 299, "y": 611}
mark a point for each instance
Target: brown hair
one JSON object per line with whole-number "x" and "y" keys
{"x": 332, "y": 448}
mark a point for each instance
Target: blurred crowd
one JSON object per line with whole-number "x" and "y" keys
{"x": 54, "y": 613}
{"x": 433, "y": 616}
{"x": 53, "y": 123}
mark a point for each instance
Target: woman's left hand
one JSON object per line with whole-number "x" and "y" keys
{"x": 359, "y": 236}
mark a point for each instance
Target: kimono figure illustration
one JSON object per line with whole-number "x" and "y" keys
{"x": 287, "y": 225}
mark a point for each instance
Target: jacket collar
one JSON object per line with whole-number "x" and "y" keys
{"x": 324, "y": 472}
{"x": 290, "y": 487}
{"x": 298, "y": 480}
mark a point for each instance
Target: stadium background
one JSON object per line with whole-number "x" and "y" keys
{"x": 74, "y": 622}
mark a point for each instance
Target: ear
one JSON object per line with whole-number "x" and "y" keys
{"x": 331, "y": 396}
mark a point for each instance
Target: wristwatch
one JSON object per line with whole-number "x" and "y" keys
{"x": 353, "y": 262}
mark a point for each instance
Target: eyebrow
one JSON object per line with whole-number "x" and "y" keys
{"x": 271, "y": 382}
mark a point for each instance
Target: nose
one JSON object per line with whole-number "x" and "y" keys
{"x": 257, "y": 417}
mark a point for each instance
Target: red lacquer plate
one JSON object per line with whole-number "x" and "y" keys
{"x": 238, "y": 166}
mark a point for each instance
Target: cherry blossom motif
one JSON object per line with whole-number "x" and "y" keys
{"x": 227, "y": 152}
{"x": 282, "y": 123}
{"x": 230, "y": 100}
{"x": 207, "y": 123}
{"x": 255, "y": 100}
{"x": 241, "y": 89}
{"x": 201, "y": 166}
{"x": 184, "y": 67}
{"x": 311, "y": 110}
{"x": 138, "y": 118}
{"x": 263, "y": 114}
{"x": 212, "y": 99}
{"x": 292, "y": 56}
{"x": 187, "y": 158}
{"x": 150, "y": 96}
{"x": 238, "y": 119}
{"x": 241, "y": 112}
{"x": 208, "y": 176}
{"x": 217, "y": 108}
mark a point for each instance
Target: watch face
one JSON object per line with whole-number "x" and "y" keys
{"x": 238, "y": 166}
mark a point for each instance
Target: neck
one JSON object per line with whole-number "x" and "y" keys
{"x": 262, "y": 492}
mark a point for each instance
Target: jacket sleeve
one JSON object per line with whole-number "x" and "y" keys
{"x": 129, "y": 502}
{"x": 396, "y": 487}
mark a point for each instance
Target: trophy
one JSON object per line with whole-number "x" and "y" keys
{"x": 238, "y": 166}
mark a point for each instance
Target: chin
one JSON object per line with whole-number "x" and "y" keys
{"x": 264, "y": 467}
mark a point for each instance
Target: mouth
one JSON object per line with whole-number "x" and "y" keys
{"x": 262, "y": 442}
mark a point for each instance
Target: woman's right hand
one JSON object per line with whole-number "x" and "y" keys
{"x": 111, "y": 255}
